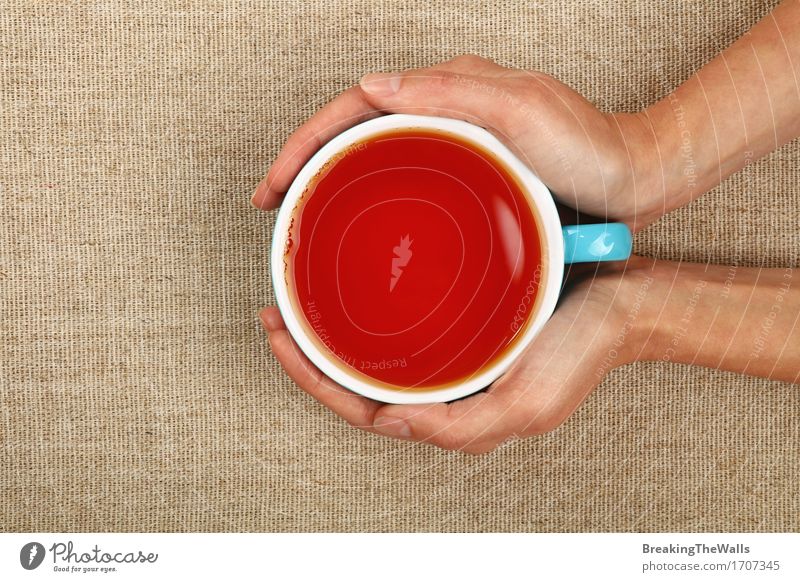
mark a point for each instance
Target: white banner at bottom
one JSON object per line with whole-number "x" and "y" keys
{"x": 399, "y": 557}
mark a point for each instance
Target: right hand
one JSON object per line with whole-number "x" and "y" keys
{"x": 590, "y": 160}
{"x": 573, "y": 352}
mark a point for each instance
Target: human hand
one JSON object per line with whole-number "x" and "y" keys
{"x": 551, "y": 378}
{"x": 590, "y": 160}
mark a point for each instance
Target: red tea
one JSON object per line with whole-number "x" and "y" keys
{"x": 414, "y": 256}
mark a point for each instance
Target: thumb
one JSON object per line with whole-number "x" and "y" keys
{"x": 438, "y": 92}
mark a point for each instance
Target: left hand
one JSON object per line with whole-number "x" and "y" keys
{"x": 597, "y": 163}
{"x": 551, "y": 378}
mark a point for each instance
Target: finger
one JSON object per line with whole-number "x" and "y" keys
{"x": 439, "y": 91}
{"x": 541, "y": 389}
{"x": 435, "y": 424}
{"x": 470, "y": 425}
{"x": 553, "y": 376}
{"x": 355, "y": 409}
{"x": 271, "y": 319}
{"x": 346, "y": 110}
{"x": 473, "y": 65}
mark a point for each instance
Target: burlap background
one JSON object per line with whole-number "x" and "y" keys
{"x": 136, "y": 388}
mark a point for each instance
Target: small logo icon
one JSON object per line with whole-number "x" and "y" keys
{"x": 31, "y": 555}
{"x": 402, "y": 255}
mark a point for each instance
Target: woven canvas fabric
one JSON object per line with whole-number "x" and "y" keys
{"x": 136, "y": 388}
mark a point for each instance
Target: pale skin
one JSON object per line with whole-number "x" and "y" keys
{"x": 628, "y": 167}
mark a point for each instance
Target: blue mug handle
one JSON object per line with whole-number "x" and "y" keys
{"x": 590, "y": 243}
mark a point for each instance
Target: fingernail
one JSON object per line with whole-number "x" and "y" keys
{"x": 255, "y": 194}
{"x": 393, "y": 427}
{"x": 381, "y": 84}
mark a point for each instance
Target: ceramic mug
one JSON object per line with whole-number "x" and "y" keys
{"x": 560, "y": 245}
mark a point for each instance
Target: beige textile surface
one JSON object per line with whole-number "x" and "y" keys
{"x": 136, "y": 388}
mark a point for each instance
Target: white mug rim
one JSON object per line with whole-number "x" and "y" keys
{"x": 552, "y": 256}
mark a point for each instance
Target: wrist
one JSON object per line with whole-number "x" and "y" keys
{"x": 657, "y": 317}
{"x": 681, "y": 151}
{"x": 678, "y": 310}
{"x": 646, "y": 183}
{"x": 626, "y": 291}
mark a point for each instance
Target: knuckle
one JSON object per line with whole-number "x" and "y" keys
{"x": 472, "y": 59}
{"x": 544, "y": 423}
{"x": 304, "y": 135}
{"x": 450, "y": 441}
{"x": 476, "y": 450}
{"x": 358, "y": 425}
{"x": 537, "y": 420}
{"x": 445, "y": 80}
